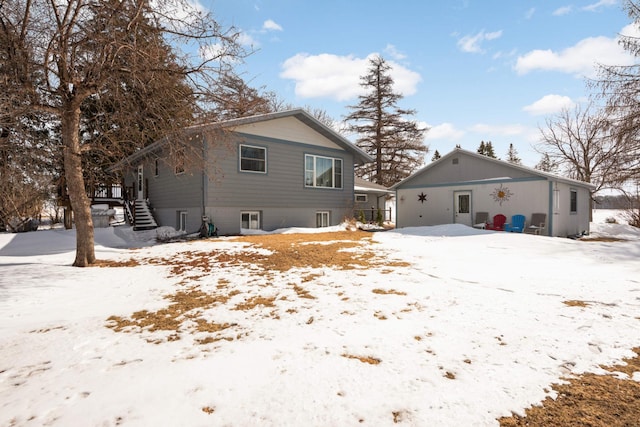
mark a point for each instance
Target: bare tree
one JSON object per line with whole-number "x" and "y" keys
{"x": 619, "y": 85}
{"x": 57, "y": 55}
{"x": 233, "y": 98}
{"x": 580, "y": 141}
{"x": 384, "y": 132}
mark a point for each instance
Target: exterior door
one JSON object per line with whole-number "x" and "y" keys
{"x": 140, "y": 183}
{"x": 462, "y": 206}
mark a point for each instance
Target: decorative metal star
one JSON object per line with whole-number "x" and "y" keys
{"x": 422, "y": 197}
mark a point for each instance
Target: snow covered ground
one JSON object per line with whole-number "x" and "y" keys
{"x": 479, "y": 325}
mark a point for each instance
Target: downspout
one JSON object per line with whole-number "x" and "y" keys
{"x": 553, "y": 199}
{"x": 204, "y": 173}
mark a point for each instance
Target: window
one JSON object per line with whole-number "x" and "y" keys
{"x": 180, "y": 161}
{"x": 155, "y": 168}
{"x": 253, "y": 159}
{"x": 573, "y": 202}
{"x": 361, "y": 198}
{"x": 250, "y": 220}
{"x": 322, "y": 219}
{"x": 182, "y": 221}
{"x": 324, "y": 172}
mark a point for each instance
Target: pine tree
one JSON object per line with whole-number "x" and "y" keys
{"x": 546, "y": 164}
{"x": 486, "y": 149}
{"x": 481, "y": 148}
{"x": 395, "y": 143}
{"x": 436, "y": 156}
{"x": 512, "y": 155}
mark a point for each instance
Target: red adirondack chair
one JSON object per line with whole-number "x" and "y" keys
{"x": 498, "y": 223}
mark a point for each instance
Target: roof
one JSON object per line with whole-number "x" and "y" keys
{"x": 531, "y": 171}
{"x": 360, "y": 156}
{"x": 369, "y": 187}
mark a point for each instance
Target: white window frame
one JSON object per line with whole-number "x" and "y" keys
{"x": 240, "y": 158}
{"x": 361, "y": 198}
{"x": 323, "y": 219}
{"x": 254, "y": 224}
{"x": 311, "y": 174}
{"x": 182, "y": 220}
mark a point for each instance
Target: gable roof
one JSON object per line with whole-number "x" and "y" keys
{"x": 526, "y": 169}
{"x": 371, "y": 187}
{"x": 360, "y": 157}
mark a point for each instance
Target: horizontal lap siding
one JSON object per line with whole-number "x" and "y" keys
{"x": 280, "y": 194}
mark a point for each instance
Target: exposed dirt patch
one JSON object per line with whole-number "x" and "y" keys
{"x": 588, "y": 400}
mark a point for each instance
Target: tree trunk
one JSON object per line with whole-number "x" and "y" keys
{"x": 85, "y": 251}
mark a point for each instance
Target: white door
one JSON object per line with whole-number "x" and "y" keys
{"x": 140, "y": 182}
{"x": 462, "y": 206}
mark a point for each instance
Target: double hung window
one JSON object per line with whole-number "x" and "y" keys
{"x": 253, "y": 159}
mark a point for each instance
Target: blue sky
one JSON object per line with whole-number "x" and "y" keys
{"x": 473, "y": 70}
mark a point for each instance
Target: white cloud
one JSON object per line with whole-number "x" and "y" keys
{"x": 549, "y": 104}
{"x": 530, "y": 13}
{"x": 580, "y": 59}
{"x": 602, "y": 3}
{"x": 473, "y": 43}
{"x": 270, "y": 25}
{"x": 443, "y": 131}
{"x": 394, "y": 53}
{"x": 338, "y": 77}
{"x": 564, "y": 10}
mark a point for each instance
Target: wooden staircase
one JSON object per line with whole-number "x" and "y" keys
{"x": 141, "y": 218}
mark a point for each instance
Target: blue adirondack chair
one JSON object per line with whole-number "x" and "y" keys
{"x": 516, "y": 225}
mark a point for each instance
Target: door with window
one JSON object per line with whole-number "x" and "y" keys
{"x": 140, "y": 186}
{"x": 462, "y": 207}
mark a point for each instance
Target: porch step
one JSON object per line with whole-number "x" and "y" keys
{"x": 143, "y": 217}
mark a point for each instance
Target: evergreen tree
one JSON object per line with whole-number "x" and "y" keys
{"x": 436, "y": 156}
{"x": 546, "y": 164}
{"x": 384, "y": 132}
{"x": 512, "y": 155}
{"x": 481, "y": 148}
{"x": 486, "y": 149}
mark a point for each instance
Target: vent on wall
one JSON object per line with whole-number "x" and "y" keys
{"x": 454, "y": 161}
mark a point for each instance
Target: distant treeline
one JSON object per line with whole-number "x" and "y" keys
{"x": 616, "y": 202}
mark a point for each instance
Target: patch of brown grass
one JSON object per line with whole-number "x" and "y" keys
{"x": 575, "y": 303}
{"x": 602, "y": 239}
{"x": 171, "y": 317}
{"x": 388, "y": 292}
{"x": 364, "y": 359}
{"x": 588, "y": 400}
{"x": 253, "y": 302}
{"x": 112, "y": 263}
{"x": 318, "y": 250}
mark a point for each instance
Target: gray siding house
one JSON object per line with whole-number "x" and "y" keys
{"x": 462, "y": 183}
{"x": 271, "y": 171}
{"x": 371, "y": 198}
